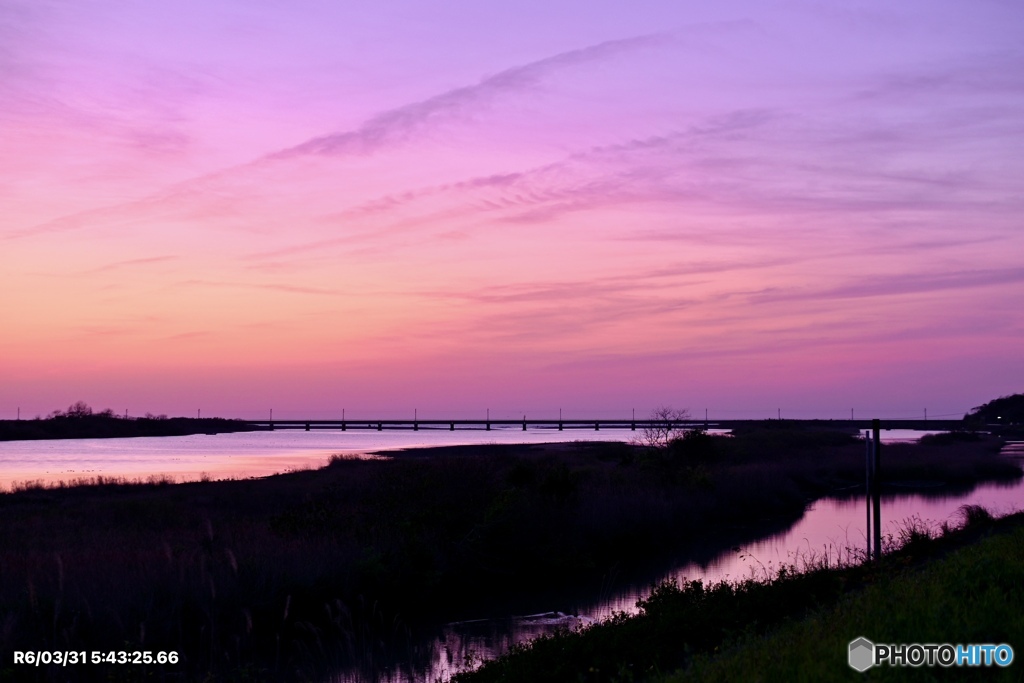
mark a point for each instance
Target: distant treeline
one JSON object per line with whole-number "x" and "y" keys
{"x": 1007, "y": 410}
{"x": 79, "y": 421}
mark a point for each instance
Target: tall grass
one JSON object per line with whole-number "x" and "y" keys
{"x": 971, "y": 596}
{"x": 795, "y": 623}
{"x": 291, "y": 577}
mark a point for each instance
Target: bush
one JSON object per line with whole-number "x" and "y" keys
{"x": 948, "y": 438}
{"x": 694, "y": 446}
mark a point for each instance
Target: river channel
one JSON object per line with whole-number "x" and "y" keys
{"x": 829, "y": 527}
{"x": 832, "y": 527}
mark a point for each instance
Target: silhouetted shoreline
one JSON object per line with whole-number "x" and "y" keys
{"x": 299, "y": 575}
{"x": 102, "y": 426}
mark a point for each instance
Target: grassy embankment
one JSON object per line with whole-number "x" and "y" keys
{"x": 955, "y": 586}
{"x": 294, "y": 575}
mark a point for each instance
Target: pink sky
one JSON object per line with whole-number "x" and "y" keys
{"x": 305, "y": 206}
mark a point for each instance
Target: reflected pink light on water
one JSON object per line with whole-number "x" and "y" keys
{"x": 832, "y": 528}
{"x": 252, "y": 454}
{"x": 235, "y": 456}
{"x": 829, "y": 527}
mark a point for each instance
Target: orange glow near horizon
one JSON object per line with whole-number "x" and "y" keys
{"x": 594, "y": 219}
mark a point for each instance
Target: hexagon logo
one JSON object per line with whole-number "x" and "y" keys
{"x": 862, "y": 654}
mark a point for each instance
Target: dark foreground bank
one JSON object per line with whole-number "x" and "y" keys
{"x": 298, "y": 576}
{"x": 958, "y": 586}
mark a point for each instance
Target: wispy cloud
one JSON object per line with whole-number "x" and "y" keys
{"x": 902, "y": 284}
{"x": 211, "y": 193}
{"x": 271, "y": 286}
{"x": 397, "y": 125}
{"x": 129, "y": 263}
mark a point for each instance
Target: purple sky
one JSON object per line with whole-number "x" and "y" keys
{"x": 524, "y": 206}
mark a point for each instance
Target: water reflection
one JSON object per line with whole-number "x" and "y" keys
{"x": 256, "y": 454}
{"x": 238, "y": 455}
{"x": 830, "y": 527}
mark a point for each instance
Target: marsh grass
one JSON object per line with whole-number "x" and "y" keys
{"x": 968, "y": 595}
{"x": 295, "y": 576}
{"x": 767, "y": 627}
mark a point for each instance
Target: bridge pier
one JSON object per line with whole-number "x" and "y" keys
{"x": 307, "y": 426}
{"x": 597, "y": 426}
{"x": 559, "y": 426}
{"x": 342, "y": 425}
{"x": 380, "y": 426}
{"x": 451, "y": 427}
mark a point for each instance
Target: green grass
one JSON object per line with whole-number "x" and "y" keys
{"x": 972, "y": 596}
{"x": 960, "y": 586}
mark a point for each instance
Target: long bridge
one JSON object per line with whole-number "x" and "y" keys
{"x": 597, "y": 424}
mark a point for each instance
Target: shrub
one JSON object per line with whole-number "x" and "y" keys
{"x": 694, "y": 446}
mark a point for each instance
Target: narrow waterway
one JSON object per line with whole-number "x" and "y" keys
{"x": 832, "y": 528}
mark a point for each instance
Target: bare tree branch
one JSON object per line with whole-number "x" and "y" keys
{"x": 667, "y": 423}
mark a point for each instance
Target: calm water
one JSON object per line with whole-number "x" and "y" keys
{"x": 829, "y": 527}
{"x": 239, "y": 455}
{"x": 253, "y": 454}
{"x": 832, "y": 527}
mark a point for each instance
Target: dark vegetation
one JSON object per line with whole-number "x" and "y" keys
{"x": 79, "y": 421}
{"x": 293, "y": 576}
{"x": 795, "y": 625}
{"x": 1006, "y": 411}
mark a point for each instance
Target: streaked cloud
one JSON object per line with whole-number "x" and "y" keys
{"x": 734, "y": 193}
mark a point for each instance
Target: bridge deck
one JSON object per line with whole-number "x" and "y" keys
{"x": 595, "y": 424}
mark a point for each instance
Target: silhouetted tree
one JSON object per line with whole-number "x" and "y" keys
{"x": 667, "y": 423}
{"x": 77, "y": 409}
{"x": 1003, "y": 410}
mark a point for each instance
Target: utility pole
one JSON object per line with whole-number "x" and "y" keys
{"x": 876, "y": 497}
{"x": 869, "y": 457}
